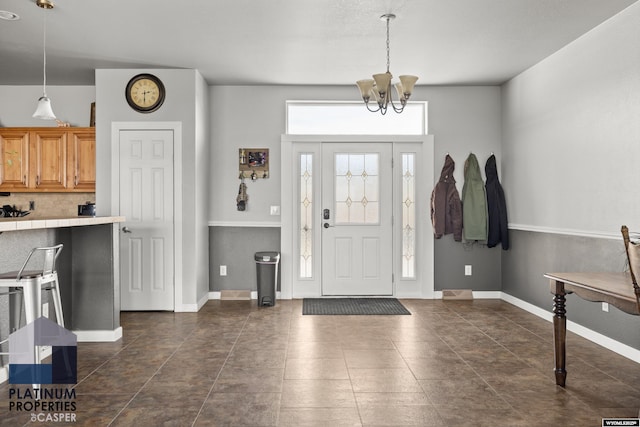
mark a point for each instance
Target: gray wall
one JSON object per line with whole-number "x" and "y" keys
{"x": 571, "y": 133}
{"x": 235, "y": 247}
{"x": 70, "y": 104}
{"x": 570, "y": 149}
{"x": 462, "y": 120}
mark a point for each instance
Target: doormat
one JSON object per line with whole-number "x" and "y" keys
{"x": 353, "y": 306}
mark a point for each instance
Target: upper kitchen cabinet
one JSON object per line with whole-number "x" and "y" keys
{"x": 48, "y": 162}
{"x": 47, "y": 159}
{"x": 81, "y": 155}
{"x": 14, "y": 154}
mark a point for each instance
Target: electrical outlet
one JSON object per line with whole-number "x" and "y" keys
{"x": 275, "y": 210}
{"x": 223, "y": 270}
{"x": 32, "y": 205}
{"x": 605, "y": 306}
{"x": 467, "y": 270}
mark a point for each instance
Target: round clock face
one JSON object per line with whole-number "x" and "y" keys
{"x": 145, "y": 93}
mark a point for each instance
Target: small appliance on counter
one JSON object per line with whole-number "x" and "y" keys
{"x": 9, "y": 211}
{"x": 88, "y": 209}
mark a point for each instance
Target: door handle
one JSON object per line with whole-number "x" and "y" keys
{"x": 126, "y": 230}
{"x": 327, "y": 225}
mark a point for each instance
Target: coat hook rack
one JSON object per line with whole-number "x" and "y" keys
{"x": 253, "y": 163}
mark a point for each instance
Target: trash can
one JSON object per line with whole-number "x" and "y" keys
{"x": 267, "y": 275}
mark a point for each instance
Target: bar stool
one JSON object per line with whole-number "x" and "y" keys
{"x": 30, "y": 283}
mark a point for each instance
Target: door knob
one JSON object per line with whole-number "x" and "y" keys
{"x": 126, "y": 230}
{"x": 326, "y": 225}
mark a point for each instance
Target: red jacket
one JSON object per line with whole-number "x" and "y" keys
{"x": 446, "y": 208}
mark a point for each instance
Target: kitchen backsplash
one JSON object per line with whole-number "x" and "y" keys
{"x": 49, "y": 205}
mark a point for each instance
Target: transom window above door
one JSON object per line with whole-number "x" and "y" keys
{"x": 351, "y": 118}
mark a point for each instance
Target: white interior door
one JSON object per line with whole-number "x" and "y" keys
{"x": 146, "y": 202}
{"x": 357, "y": 253}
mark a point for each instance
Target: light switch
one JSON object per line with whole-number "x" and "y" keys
{"x": 223, "y": 270}
{"x": 467, "y": 270}
{"x": 275, "y": 210}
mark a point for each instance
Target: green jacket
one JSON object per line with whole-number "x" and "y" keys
{"x": 474, "y": 202}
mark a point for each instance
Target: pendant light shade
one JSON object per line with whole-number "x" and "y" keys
{"x": 44, "y": 111}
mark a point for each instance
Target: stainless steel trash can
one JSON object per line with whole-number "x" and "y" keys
{"x": 267, "y": 276}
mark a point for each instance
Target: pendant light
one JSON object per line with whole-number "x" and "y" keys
{"x": 379, "y": 88}
{"x": 44, "y": 110}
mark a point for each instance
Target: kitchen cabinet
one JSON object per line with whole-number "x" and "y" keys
{"x": 47, "y": 159}
{"x": 81, "y": 157}
{"x": 14, "y": 154}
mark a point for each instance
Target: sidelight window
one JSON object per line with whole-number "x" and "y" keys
{"x": 306, "y": 215}
{"x": 408, "y": 215}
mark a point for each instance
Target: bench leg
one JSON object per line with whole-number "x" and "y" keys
{"x": 560, "y": 334}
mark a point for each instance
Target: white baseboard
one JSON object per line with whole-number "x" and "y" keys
{"x": 487, "y": 294}
{"x": 254, "y": 295}
{"x": 476, "y": 295}
{"x": 99, "y": 336}
{"x": 186, "y": 308}
{"x": 202, "y": 301}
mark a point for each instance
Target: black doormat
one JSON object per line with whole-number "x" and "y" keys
{"x": 353, "y": 306}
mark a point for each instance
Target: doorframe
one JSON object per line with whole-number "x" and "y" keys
{"x": 176, "y": 127}
{"x": 422, "y": 285}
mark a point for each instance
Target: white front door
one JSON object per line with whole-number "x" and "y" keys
{"x": 357, "y": 245}
{"x": 146, "y": 202}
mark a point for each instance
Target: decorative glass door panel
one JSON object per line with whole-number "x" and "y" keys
{"x": 357, "y": 189}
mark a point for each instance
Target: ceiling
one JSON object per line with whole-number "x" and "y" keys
{"x": 306, "y": 42}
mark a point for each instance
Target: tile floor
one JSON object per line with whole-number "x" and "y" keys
{"x": 451, "y": 363}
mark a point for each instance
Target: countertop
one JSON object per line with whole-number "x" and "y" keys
{"x": 24, "y": 223}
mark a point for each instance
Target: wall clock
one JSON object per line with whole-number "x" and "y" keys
{"x": 145, "y": 93}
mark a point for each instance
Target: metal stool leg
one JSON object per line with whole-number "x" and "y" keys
{"x": 57, "y": 300}
{"x": 15, "y": 309}
{"x": 32, "y": 300}
{"x": 32, "y": 294}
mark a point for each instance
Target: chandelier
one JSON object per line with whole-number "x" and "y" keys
{"x": 379, "y": 87}
{"x": 44, "y": 111}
